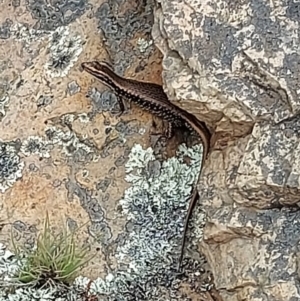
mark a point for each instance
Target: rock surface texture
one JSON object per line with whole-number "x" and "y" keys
{"x": 235, "y": 64}
{"x": 64, "y": 150}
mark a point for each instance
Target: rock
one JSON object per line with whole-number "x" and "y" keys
{"x": 235, "y": 66}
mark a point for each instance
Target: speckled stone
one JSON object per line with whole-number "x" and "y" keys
{"x": 64, "y": 150}
{"x": 235, "y": 65}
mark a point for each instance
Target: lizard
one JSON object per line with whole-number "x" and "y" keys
{"x": 151, "y": 97}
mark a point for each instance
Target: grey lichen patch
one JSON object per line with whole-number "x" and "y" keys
{"x": 84, "y": 118}
{"x": 120, "y": 22}
{"x": 64, "y": 47}
{"x": 268, "y": 173}
{"x": 4, "y": 100}
{"x": 104, "y": 184}
{"x": 11, "y": 166}
{"x": 23, "y": 32}
{"x": 90, "y": 204}
{"x": 127, "y": 128}
{"x": 26, "y": 294}
{"x": 104, "y": 101}
{"x": 159, "y": 202}
{"x": 51, "y": 15}
{"x": 68, "y": 119}
{"x": 8, "y": 262}
{"x": 110, "y": 144}
{"x": 64, "y": 50}
{"x": 44, "y": 100}
{"x": 36, "y": 145}
{"x": 72, "y": 146}
{"x": 73, "y": 88}
{"x": 143, "y": 45}
{"x": 155, "y": 207}
{"x": 5, "y": 29}
{"x": 99, "y": 229}
{"x": 254, "y": 76}
{"x": 127, "y": 286}
{"x": 27, "y": 35}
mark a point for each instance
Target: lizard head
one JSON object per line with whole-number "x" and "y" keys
{"x": 101, "y": 70}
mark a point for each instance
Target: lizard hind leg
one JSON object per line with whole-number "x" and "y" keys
{"x": 122, "y": 106}
{"x": 163, "y": 128}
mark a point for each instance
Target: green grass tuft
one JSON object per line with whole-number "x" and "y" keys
{"x": 56, "y": 258}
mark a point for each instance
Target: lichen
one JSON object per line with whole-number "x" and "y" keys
{"x": 44, "y": 100}
{"x": 8, "y": 263}
{"x": 4, "y": 100}
{"x": 159, "y": 203}
{"x": 22, "y": 294}
{"x": 10, "y": 166}
{"x": 36, "y": 145}
{"x": 42, "y": 294}
{"x": 84, "y": 118}
{"x": 23, "y": 32}
{"x": 52, "y": 14}
{"x": 72, "y": 146}
{"x": 105, "y": 101}
{"x": 117, "y": 30}
{"x": 155, "y": 206}
{"x": 64, "y": 50}
{"x": 5, "y": 29}
{"x": 79, "y": 148}
{"x": 143, "y": 45}
{"x": 27, "y": 35}
{"x": 73, "y": 88}
{"x": 64, "y": 47}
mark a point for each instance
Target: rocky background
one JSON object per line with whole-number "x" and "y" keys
{"x": 234, "y": 64}
{"x": 64, "y": 151}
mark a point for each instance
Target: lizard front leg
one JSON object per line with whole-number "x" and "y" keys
{"x": 122, "y": 106}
